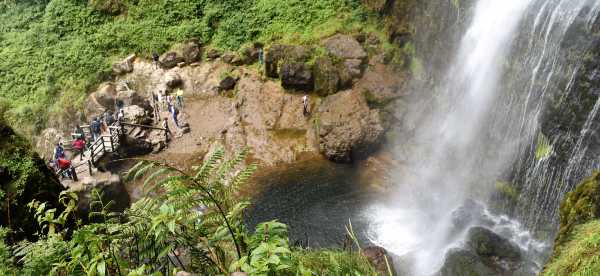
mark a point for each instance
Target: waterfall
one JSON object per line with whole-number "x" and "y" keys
{"x": 486, "y": 119}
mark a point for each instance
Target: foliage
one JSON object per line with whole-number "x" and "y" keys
{"x": 197, "y": 213}
{"x": 54, "y": 51}
{"x": 580, "y": 254}
{"x": 543, "y": 148}
{"x": 579, "y": 206}
{"x": 6, "y": 260}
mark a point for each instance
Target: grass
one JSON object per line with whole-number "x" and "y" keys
{"x": 332, "y": 262}
{"x": 580, "y": 255}
{"x": 53, "y": 52}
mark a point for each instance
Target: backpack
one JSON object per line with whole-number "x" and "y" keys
{"x": 96, "y": 126}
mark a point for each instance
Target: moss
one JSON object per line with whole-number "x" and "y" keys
{"x": 578, "y": 207}
{"x": 543, "y": 148}
{"x": 332, "y": 262}
{"x": 507, "y": 190}
{"x": 580, "y": 254}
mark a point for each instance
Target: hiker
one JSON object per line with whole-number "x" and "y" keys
{"x": 121, "y": 116}
{"x": 59, "y": 151}
{"x": 96, "y": 128}
{"x": 168, "y": 132}
{"x": 120, "y": 104}
{"x": 79, "y": 133}
{"x": 261, "y": 58}
{"x": 79, "y": 147}
{"x": 169, "y": 100}
{"x": 155, "y": 60}
{"x": 175, "y": 112}
{"x": 109, "y": 119}
{"x": 305, "y": 105}
{"x": 179, "y": 97}
{"x": 64, "y": 166}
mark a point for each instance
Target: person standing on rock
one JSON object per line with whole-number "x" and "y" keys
{"x": 155, "y": 60}
{"x": 121, "y": 116}
{"x": 169, "y": 100}
{"x": 179, "y": 97}
{"x": 175, "y": 112}
{"x": 305, "y": 105}
{"x": 165, "y": 125}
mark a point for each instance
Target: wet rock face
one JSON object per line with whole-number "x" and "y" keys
{"x": 377, "y": 257}
{"x": 348, "y": 128}
{"x": 485, "y": 253}
{"x": 278, "y": 53}
{"x": 296, "y": 76}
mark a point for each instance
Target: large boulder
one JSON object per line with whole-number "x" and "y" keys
{"x": 297, "y": 76}
{"x": 170, "y": 60}
{"x": 124, "y": 66}
{"x": 131, "y": 97}
{"x": 24, "y": 177}
{"x": 134, "y": 146}
{"x": 278, "y": 53}
{"x": 47, "y": 140}
{"x": 345, "y": 47}
{"x": 377, "y": 258}
{"x": 105, "y": 95}
{"x": 327, "y": 78}
{"x": 485, "y": 253}
{"x": 191, "y": 51}
{"x": 135, "y": 114}
{"x": 227, "y": 83}
{"x": 348, "y": 129}
{"x": 109, "y": 187}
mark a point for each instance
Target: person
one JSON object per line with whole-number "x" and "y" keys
{"x": 79, "y": 133}
{"x": 155, "y": 60}
{"x": 261, "y": 58}
{"x": 64, "y": 165}
{"x": 169, "y": 100}
{"x": 109, "y": 119}
{"x": 160, "y": 100}
{"x": 96, "y": 128}
{"x": 179, "y": 97}
{"x": 168, "y": 132}
{"x": 59, "y": 151}
{"x": 175, "y": 112}
{"x": 121, "y": 116}
{"x": 305, "y": 105}
{"x": 79, "y": 147}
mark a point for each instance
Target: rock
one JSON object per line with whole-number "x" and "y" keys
{"x": 135, "y": 146}
{"x": 170, "y": 80}
{"x": 468, "y": 213}
{"x": 485, "y": 253}
{"x": 229, "y": 57}
{"x": 227, "y": 83}
{"x": 135, "y": 114}
{"x": 277, "y": 53}
{"x": 24, "y": 176}
{"x": 170, "y": 60}
{"x": 464, "y": 262}
{"x": 124, "y": 66}
{"x": 249, "y": 55}
{"x": 47, "y": 141}
{"x": 354, "y": 67}
{"x": 345, "y": 47}
{"x": 326, "y": 77}
{"x": 488, "y": 244}
{"x": 400, "y": 38}
{"x": 213, "y": 54}
{"x": 348, "y": 129}
{"x": 109, "y": 186}
{"x": 238, "y": 274}
{"x": 191, "y": 52}
{"x": 297, "y": 76}
{"x": 105, "y": 95}
{"x": 131, "y": 97}
{"x": 377, "y": 258}
{"x": 377, "y": 5}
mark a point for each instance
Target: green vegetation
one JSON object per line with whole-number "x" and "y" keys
{"x": 54, "y": 51}
{"x": 193, "y": 223}
{"x": 580, "y": 255}
{"x": 543, "y": 148}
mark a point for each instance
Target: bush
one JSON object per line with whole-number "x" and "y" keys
{"x": 47, "y": 43}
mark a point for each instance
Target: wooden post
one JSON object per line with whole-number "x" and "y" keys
{"x": 74, "y": 174}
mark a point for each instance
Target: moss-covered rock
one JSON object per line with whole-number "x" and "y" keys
{"x": 580, "y": 254}
{"x": 579, "y": 206}
{"x": 326, "y": 76}
{"x": 24, "y": 177}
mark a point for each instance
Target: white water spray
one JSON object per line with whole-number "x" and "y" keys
{"x": 449, "y": 166}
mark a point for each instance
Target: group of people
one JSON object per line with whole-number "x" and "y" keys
{"x": 60, "y": 163}
{"x": 170, "y": 102}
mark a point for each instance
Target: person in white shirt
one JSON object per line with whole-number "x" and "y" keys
{"x": 305, "y": 103}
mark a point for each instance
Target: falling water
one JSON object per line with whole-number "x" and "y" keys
{"x": 481, "y": 126}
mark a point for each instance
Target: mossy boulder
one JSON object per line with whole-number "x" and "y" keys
{"x": 276, "y": 54}
{"x": 327, "y": 78}
{"x": 579, "y": 206}
{"x": 24, "y": 177}
{"x": 580, "y": 254}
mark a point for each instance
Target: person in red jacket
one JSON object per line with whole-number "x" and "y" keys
{"x": 79, "y": 147}
{"x": 64, "y": 165}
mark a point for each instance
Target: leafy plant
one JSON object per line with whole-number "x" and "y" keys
{"x": 543, "y": 148}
